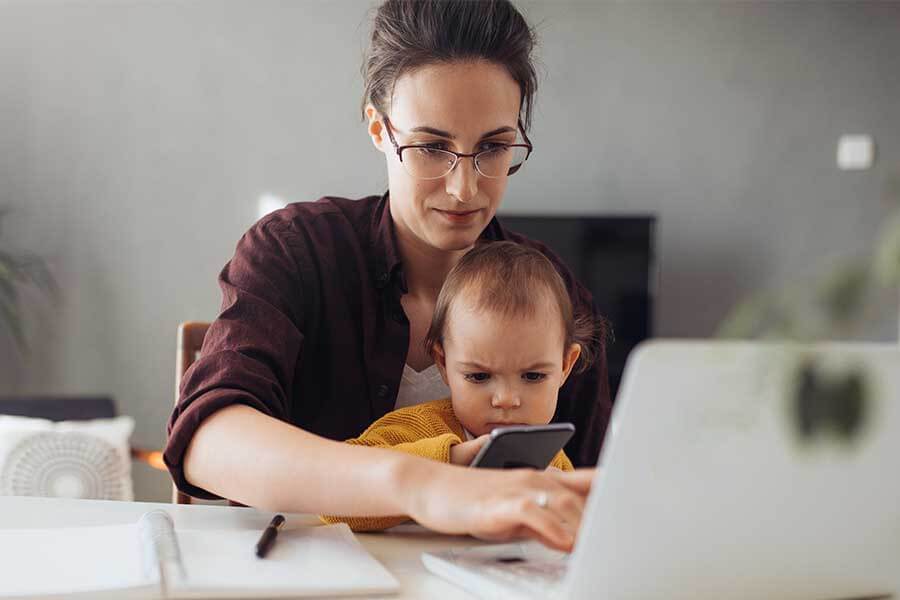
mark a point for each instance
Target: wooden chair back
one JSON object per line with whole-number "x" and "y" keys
{"x": 190, "y": 340}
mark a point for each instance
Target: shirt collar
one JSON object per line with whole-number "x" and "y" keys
{"x": 386, "y": 250}
{"x": 388, "y": 262}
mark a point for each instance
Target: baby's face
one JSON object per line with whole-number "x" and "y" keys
{"x": 504, "y": 370}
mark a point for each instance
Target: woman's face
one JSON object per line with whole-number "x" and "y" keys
{"x": 504, "y": 370}
{"x": 453, "y": 106}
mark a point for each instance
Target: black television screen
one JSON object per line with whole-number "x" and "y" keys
{"x": 615, "y": 258}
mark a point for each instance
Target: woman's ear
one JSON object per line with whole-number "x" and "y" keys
{"x": 569, "y": 360}
{"x": 440, "y": 359}
{"x": 375, "y": 127}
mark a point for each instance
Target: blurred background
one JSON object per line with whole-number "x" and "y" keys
{"x": 139, "y": 140}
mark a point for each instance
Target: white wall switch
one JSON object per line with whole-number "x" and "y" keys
{"x": 855, "y": 152}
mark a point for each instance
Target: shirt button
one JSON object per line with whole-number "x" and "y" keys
{"x": 382, "y": 391}
{"x": 382, "y": 280}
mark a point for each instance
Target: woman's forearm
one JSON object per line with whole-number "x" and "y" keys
{"x": 244, "y": 455}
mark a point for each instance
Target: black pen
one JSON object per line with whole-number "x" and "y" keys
{"x": 268, "y": 536}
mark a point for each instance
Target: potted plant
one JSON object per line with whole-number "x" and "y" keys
{"x": 836, "y": 305}
{"x": 17, "y": 271}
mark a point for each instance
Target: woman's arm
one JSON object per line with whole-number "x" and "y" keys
{"x": 243, "y": 454}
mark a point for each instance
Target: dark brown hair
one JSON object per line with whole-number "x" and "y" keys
{"x": 512, "y": 280}
{"x": 407, "y": 34}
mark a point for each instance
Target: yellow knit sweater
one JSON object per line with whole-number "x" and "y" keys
{"x": 427, "y": 430}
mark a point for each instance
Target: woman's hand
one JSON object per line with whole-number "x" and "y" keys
{"x": 501, "y": 505}
{"x": 464, "y": 452}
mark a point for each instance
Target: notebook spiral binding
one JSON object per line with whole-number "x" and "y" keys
{"x": 159, "y": 549}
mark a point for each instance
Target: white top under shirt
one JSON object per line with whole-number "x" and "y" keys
{"x": 418, "y": 387}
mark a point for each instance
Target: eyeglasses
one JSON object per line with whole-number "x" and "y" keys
{"x": 425, "y": 161}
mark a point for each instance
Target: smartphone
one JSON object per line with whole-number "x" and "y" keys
{"x": 523, "y": 446}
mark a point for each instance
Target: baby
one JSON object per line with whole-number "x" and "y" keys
{"x": 504, "y": 338}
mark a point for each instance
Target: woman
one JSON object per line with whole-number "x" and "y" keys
{"x": 326, "y": 304}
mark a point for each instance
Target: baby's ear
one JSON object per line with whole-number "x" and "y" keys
{"x": 440, "y": 359}
{"x": 570, "y": 358}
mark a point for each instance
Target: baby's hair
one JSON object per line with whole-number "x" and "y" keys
{"x": 513, "y": 280}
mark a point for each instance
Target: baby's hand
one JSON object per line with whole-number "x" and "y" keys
{"x": 552, "y": 469}
{"x": 464, "y": 452}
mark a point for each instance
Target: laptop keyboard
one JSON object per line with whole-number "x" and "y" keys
{"x": 537, "y": 577}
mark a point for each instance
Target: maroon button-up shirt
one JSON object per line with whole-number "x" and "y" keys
{"x": 312, "y": 331}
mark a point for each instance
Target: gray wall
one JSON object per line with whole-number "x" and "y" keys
{"x": 136, "y": 139}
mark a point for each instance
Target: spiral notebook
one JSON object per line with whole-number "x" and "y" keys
{"x": 150, "y": 559}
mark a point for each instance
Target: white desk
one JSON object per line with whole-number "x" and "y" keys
{"x": 398, "y": 550}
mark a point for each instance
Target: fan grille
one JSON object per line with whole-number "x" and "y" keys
{"x": 56, "y": 464}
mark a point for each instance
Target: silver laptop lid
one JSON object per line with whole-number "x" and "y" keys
{"x": 706, "y": 490}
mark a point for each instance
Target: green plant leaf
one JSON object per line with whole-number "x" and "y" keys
{"x": 886, "y": 263}
{"x": 15, "y": 271}
{"x": 35, "y": 271}
{"x": 843, "y": 291}
{"x": 9, "y": 315}
{"x": 763, "y": 315}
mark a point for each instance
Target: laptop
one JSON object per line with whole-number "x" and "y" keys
{"x": 706, "y": 487}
